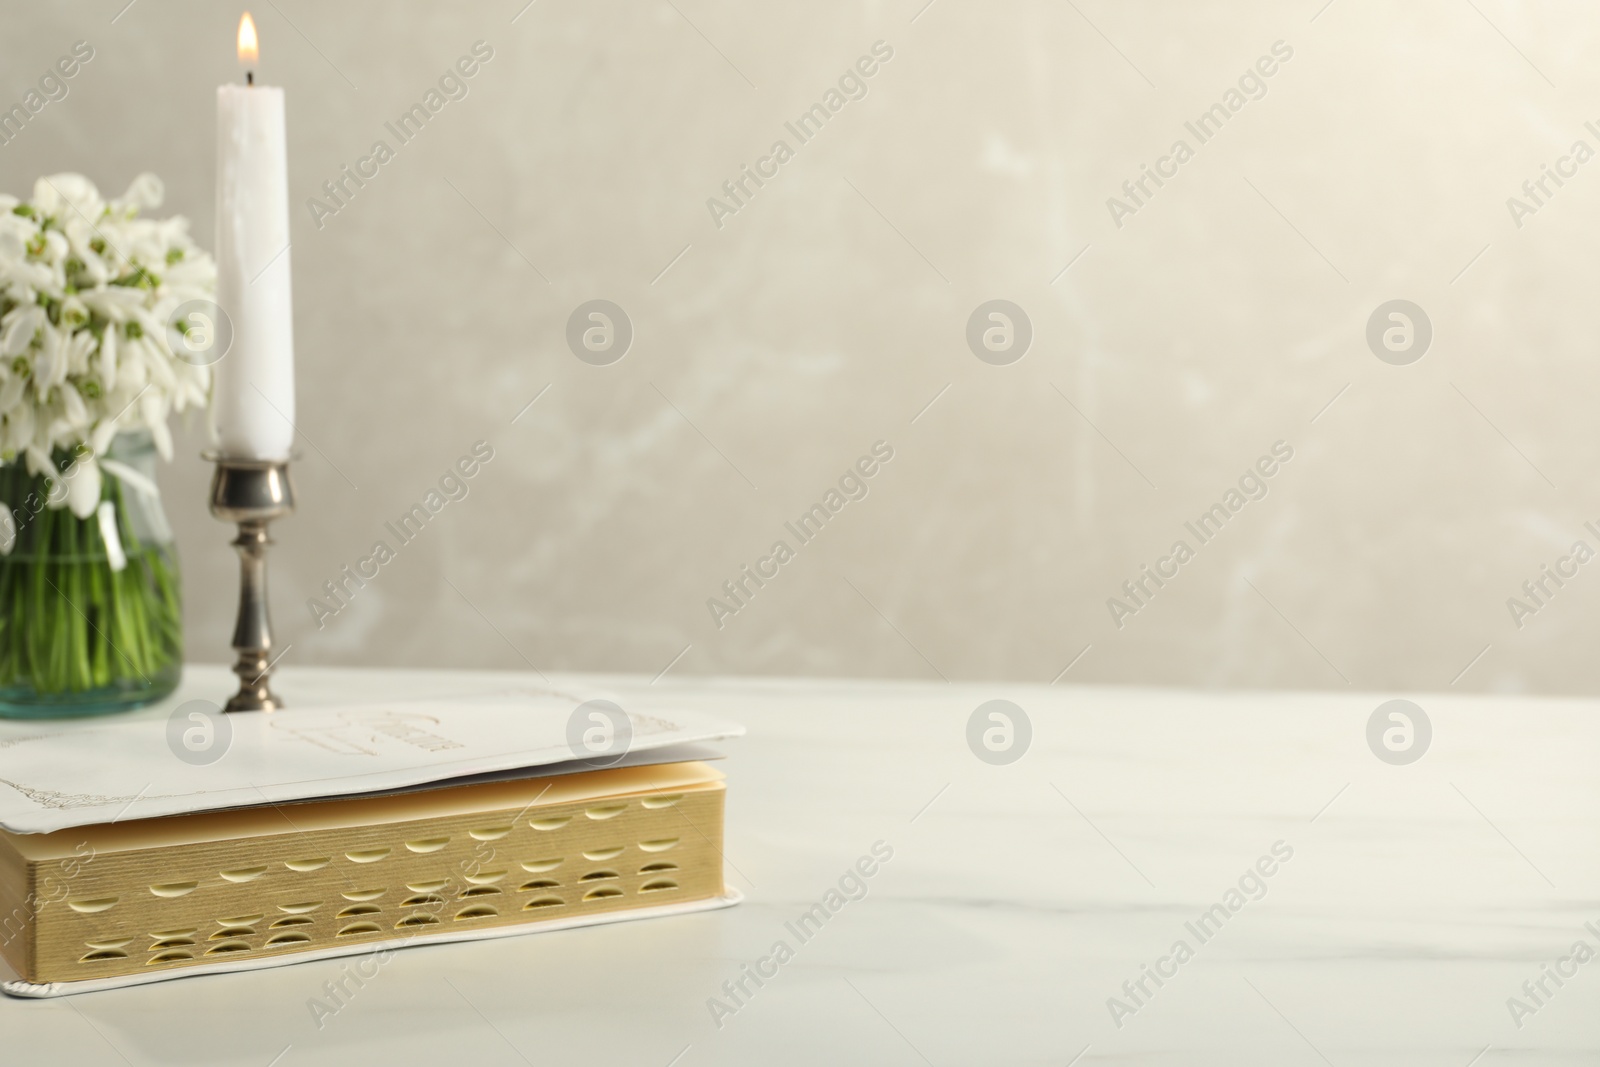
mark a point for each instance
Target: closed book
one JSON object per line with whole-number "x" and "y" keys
{"x": 345, "y": 876}
{"x": 458, "y": 824}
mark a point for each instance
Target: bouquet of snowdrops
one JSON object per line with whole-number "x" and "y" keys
{"x": 92, "y": 295}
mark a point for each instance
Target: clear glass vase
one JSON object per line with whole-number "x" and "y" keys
{"x": 90, "y": 613}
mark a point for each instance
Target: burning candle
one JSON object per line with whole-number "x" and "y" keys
{"x": 252, "y": 407}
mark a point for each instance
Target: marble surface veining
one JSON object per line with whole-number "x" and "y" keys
{"x": 1405, "y": 909}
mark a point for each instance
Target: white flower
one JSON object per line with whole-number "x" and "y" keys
{"x": 67, "y": 192}
{"x": 19, "y": 429}
{"x": 56, "y": 247}
{"x": 166, "y": 382}
{"x": 145, "y": 193}
{"x": 20, "y": 326}
{"x": 100, "y": 439}
{"x": 75, "y": 314}
{"x": 72, "y": 400}
{"x": 50, "y": 362}
{"x": 86, "y": 288}
{"x": 83, "y": 487}
{"x": 39, "y": 461}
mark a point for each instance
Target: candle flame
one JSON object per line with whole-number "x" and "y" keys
{"x": 249, "y": 49}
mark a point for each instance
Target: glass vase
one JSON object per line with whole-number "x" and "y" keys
{"x": 90, "y": 614}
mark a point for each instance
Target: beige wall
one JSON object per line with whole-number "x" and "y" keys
{"x": 825, "y": 314}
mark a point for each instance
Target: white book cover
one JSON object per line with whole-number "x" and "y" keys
{"x": 57, "y": 775}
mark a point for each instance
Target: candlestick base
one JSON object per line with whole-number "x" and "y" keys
{"x": 252, "y": 493}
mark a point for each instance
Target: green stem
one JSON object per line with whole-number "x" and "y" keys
{"x": 69, "y": 624}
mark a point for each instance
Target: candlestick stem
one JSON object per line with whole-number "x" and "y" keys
{"x": 252, "y": 493}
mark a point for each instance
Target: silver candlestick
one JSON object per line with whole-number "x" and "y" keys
{"x": 252, "y": 493}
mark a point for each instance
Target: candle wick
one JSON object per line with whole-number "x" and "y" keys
{"x": 249, "y": 77}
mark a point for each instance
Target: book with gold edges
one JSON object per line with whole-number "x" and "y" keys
{"x": 451, "y": 845}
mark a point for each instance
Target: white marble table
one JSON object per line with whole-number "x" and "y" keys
{"x": 1019, "y": 898}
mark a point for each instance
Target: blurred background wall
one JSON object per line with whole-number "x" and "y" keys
{"x": 1175, "y": 340}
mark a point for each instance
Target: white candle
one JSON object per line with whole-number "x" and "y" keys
{"x": 252, "y": 406}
